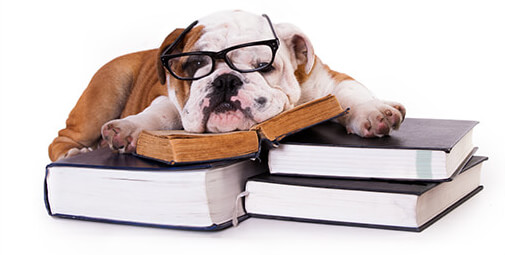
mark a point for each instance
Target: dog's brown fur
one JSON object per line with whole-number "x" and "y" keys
{"x": 124, "y": 86}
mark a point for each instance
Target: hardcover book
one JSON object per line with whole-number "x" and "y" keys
{"x": 422, "y": 149}
{"x": 411, "y": 206}
{"x": 176, "y": 147}
{"x": 119, "y": 188}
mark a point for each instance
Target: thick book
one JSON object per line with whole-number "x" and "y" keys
{"x": 180, "y": 147}
{"x": 422, "y": 149}
{"x": 411, "y": 206}
{"x": 118, "y": 188}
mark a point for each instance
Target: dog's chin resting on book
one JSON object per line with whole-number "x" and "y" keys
{"x": 228, "y": 121}
{"x": 178, "y": 146}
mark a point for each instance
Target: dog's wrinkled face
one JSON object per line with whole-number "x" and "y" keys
{"x": 227, "y": 99}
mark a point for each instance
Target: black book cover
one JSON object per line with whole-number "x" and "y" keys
{"x": 389, "y": 186}
{"x": 419, "y": 134}
{"x": 108, "y": 159}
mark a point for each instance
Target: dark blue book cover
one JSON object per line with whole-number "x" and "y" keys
{"x": 112, "y": 182}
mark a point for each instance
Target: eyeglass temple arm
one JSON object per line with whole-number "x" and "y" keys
{"x": 179, "y": 38}
{"x": 271, "y": 26}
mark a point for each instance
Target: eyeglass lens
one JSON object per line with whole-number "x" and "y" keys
{"x": 243, "y": 59}
{"x": 192, "y": 66}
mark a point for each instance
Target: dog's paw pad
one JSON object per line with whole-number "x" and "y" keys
{"x": 375, "y": 118}
{"x": 120, "y": 135}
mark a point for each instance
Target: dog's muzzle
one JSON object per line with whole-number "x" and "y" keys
{"x": 225, "y": 86}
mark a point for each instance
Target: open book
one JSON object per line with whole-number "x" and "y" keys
{"x": 178, "y": 146}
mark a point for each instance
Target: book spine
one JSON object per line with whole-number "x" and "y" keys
{"x": 46, "y": 198}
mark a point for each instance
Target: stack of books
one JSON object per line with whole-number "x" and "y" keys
{"x": 405, "y": 181}
{"x": 309, "y": 170}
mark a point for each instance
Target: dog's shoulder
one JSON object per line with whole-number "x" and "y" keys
{"x": 132, "y": 63}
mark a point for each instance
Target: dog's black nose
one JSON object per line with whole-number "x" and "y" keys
{"x": 227, "y": 83}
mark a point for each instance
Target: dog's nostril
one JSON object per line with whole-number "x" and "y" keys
{"x": 227, "y": 82}
{"x": 260, "y": 100}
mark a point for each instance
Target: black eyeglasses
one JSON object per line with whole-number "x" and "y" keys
{"x": 244, "y": 58}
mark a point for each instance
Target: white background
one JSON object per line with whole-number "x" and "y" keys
{"x": 441, "y": 59}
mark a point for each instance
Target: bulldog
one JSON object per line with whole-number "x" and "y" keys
{"x": 224, "y": 72}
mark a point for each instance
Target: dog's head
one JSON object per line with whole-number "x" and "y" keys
{"x": 249, "y": 81}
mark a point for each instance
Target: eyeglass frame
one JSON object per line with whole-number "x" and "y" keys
{"x": 165, "y": 56}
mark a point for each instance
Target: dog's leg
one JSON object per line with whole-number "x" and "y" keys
{"x": 103, "y": 100}
{"x": 122, "y": 134}
{"x": 368, "y": 116}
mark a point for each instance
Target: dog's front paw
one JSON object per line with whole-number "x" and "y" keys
{"x": 75, "y": 151}
{"x": 375, "y": 118}
{"x": 121, "y": 135}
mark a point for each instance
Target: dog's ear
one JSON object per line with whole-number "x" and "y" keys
{"x": 168, "y": 40}
{"x": 299, "y": 45}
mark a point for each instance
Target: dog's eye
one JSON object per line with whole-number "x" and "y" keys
{"x": 265, "y": 68}
{"x": 194, "y": 63}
